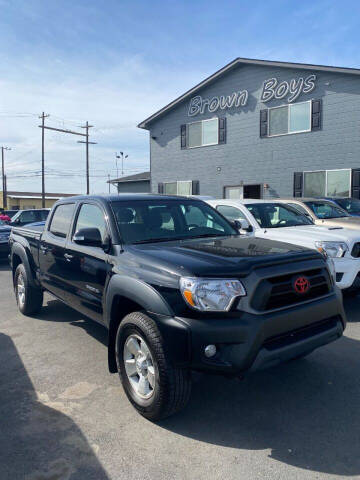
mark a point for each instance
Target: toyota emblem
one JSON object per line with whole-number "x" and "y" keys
{"x": 301, "y": 285}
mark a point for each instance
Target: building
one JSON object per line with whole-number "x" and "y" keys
{"x": 260, "y": 129}
{"x": 28, "y": 200}
{"x": 138, "y": 183}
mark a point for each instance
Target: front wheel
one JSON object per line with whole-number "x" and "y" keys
{"x": 29, "y": 299}
{"x": 155, "y": 387}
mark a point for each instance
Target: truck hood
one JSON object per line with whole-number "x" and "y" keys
{"x": 307, "y": 235}
{"x": 218, "y": 256}
{"x": 345, "y": 222}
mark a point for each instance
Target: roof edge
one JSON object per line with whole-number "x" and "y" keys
{"x": 247, "y": 61}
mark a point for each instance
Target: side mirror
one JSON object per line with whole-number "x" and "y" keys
{"x": 88, "y": 236}
{"x": 242, "y": 224}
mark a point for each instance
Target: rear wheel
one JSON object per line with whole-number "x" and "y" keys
{"x": 155, "y": 387}
{"x": 29, "y": 299}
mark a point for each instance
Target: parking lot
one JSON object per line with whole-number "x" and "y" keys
{"x": 62, "y": 415}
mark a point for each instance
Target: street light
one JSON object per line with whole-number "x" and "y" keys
{"x": 122, "y": 162}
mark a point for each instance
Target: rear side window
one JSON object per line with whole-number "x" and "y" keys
{"x": 61, "y": 220}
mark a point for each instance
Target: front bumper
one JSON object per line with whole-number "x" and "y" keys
{"x": 4, "y": 250}
{"x": 247, "y": 341}
{"x": 347, "y": 270}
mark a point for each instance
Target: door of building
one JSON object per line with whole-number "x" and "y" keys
{"x": 253, "y": 191}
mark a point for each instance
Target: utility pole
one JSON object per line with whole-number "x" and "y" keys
{"x": 43, "y": 116}
{"x": 87, "y": 126}
{"x": 43, "y": 127}
{"x": 3, "y": 176}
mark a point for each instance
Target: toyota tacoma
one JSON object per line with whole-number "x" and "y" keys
{"x": 179, "y": 290}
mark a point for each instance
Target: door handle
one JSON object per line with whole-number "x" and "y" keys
{"x": 68, "y": 257}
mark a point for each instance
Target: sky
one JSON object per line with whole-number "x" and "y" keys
{"x": 114, "y": 63}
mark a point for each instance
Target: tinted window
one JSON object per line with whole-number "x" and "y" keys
{"x": 351, "y": 205}
{"x": 61, "y": 220}
{"x": 325, "y": 210}
{"x": 91, "y": 216}
{"x": 275, "y": 215}
{"x": 28, "y": 216}
{"x": 43, "y": 214}
{"x": 143, "y": 221}
{"x": 231, "y": 213}
{"x": 299, "y": 208}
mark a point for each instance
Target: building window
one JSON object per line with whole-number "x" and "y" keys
{"x": 205, "y": 132}
{"x": 327, "y": 183}
{"x": 287, "y": 119}
{"x": 178, "y": 188}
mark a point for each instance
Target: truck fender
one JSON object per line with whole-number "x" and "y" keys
{"x": 175, "y": 333}
{"x": 19, "y": 250}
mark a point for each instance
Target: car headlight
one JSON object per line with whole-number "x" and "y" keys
{"x": 333, "y": 249}
{"x": 211, "y": 294}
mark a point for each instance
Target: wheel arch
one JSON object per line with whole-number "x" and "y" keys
{"x": 126, "y": 295}
{"x": 18, "y": 256}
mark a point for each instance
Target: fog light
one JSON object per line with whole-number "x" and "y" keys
{"x": 210, "y": 351}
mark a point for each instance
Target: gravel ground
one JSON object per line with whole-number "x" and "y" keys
{"x": 63, "y": 416}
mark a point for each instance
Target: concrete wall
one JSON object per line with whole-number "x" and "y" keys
{"x": 134, "y": 187}
{"x": 248, "y": 158}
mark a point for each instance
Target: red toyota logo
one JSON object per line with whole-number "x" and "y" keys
{"x": 301, "y": 285}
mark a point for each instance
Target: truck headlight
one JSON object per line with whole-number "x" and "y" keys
{"x": 211, "y": 294}
{"x": 333, "y": 249}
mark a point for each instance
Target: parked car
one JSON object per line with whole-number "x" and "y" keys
{"x": 4, "y": 239}
{"x": 10, "y": 213}
{"x": 350, "y": 205}
{"x": 178, "y": 289}
{"x": 323, "y": 212}
{"x": 280, "y": 221}
{"x": 24, "y": 217}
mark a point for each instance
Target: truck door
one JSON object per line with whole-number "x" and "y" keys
{"x": 52, "y": 260}
{"x": 88, "y": 265}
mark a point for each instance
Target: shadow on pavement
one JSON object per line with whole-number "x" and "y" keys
{"x": 57, "y": 311}
{"x": 306, "y": 412}
{"x": 38, "y": 441}
{"x": 352, "y": 308}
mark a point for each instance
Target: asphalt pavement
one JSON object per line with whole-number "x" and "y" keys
{"x": 63, "y": 416}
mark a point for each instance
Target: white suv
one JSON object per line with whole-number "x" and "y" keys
{"x": 279, "y": 221}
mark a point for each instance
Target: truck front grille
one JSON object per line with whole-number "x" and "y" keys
{"x": 279, "y": 292}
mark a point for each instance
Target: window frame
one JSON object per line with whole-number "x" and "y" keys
{"x": 326, "y": 179}
{"x": 289, "y": 105}
{"x": 177, "y": 184}
{"x": 203, "y": 144}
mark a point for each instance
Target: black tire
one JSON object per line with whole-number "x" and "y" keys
{"x": 172, "y": 385}
{"x": 32, "y": 300}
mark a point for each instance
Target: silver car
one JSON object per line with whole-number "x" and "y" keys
{"x": 323, "y": 212}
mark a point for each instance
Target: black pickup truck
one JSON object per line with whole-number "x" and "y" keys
{"x": 179, "y": 290}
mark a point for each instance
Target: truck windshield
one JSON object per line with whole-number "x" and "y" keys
{"x": 324, "y": 210}
{"x": 146, "y": 221}
{"x": 351, "y": 205}
{"x": 276, "y": 215}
